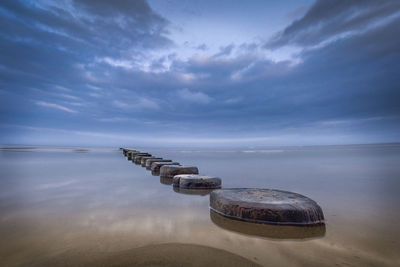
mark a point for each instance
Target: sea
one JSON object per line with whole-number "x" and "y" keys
{"x": 71, "y": 206}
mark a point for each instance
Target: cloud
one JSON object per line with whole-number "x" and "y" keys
{"x": 233, "y": 100}
{"x": 72, "y": 97}
{"x": 330, "y": 19}
{"x": 120, "y": 104}
{"x": 225, "y": 51}
{"x": 117, "y": 119}
{"x": 351, "y": 121}
{"x": 147, "y": 104}
{"x": 94, "y": 88}
{"x": 195, "y": 97}
{"x": 116, "y": 62}
{"x": 50, "y": 39}
{"x": 112, "y": 61}
{"x": 55, "y": 106}
{"x": 62, "y": 88}
{"x": 202, "y": 47}
{"x": 63, "y": 136}
{"x": 140, "y": 103}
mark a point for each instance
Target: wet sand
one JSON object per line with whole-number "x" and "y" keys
{"x": 65, "y": 209}
{"x": 170, "y": 254}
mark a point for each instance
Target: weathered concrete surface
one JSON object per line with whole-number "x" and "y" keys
{"x": 266, "y": 206}
{"x": 195, "y": 181}
{"x": 143, "y": 160}
{"x": 131, "y": 154}
{"x": 126, "y": 151}
{"x": 150, "y": 161}
{"x": 155, "y": 173}
{"x": 268, "y": 230}
{"x": 172, "y": 170}
{"x": 138, "y": 157}
{"x": 155, "y": 166}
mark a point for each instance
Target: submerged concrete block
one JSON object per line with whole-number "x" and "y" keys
{"x": 266, "y": 206}
{"x": 195, "y": 181}
{"x": 130, "y": 154}
{"x": 150, "y": 161}
{"x": 125, "y": 150}
{"x": 155, "y": 166}
{"x": 143, "y": 160}
{"x": 172, "y": 170}
{"x": 138, "y": 157}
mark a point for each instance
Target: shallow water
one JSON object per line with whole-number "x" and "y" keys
{"x": 60, "y": 203}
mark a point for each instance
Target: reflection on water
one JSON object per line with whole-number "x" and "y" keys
{"x": 200, "y": 192}
{"x": 80, "y": 150}
{"x": 166, "y": 180}
{"x": 54, "y": 202}
{"x": 155, "y": 173}
{"x": 266, "y": 230}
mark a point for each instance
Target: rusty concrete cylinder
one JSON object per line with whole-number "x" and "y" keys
{"x": 126, "y": 151}
{"x": 138, "y": 157}
{"x": 143, "y": 160}
{"x": 155, "y": 173}
{"x": 155, "y": 166}
{"x": 172, "y": 170}
{"x": 130, "y": 154}
{"x": 130, "y": 151}
{"x": 266, "y": 206}
{"x": 134, "y": 154}
{"x": 150, "y": 161}
{"x": 195, "y": 181}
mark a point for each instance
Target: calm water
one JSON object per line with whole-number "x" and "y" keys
{"x": 57, "y": 203}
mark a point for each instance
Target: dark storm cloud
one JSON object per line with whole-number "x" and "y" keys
{"x": 117, "y": 7}
{"x": 329, "y": 18}
{"x": 45, "y": 44}
{"x": 350, "y": 79}
{"x": 86, "y": 65}
{"x": 117, "y": 26}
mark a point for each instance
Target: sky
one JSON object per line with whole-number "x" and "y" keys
{"x": 199, "y": 73}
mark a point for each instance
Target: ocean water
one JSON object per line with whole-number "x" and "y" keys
{"x": 66, "y": 206}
